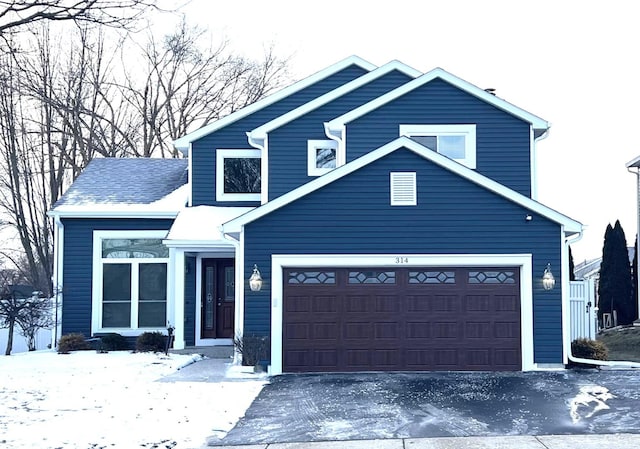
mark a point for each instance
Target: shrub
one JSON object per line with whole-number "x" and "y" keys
{"x": 72, "y": 342}
{"x": 150, "y": 342}
{"x": 254, "y": 348}
{"x": 114, "y": 342}
{"x": 586, "y": 348}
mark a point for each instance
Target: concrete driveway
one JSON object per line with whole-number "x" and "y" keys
{"x": 328, "y": 407}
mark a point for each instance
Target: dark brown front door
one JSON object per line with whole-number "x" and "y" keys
{"x": 401, "y": 319}
{"x": 218, "y": 298}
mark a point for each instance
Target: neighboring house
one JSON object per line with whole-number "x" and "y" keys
{"x": 391, "y": 217}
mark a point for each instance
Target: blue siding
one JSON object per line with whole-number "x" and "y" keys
{"x": 453, "y": 216}
{"x": 288, "y": 144}
{"x": 203, "y": 155}
{"x": 502, "y": 140}
{"x": 78, "y": 263}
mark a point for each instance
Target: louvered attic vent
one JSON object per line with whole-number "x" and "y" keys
{"x": 403, "y": 189}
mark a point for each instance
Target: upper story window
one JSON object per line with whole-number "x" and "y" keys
{"x": 457, "y": 142}
{"x": 238, "y": 175}
{"x": 322, "y": 156}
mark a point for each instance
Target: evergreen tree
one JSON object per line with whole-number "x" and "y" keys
{"x": 615, "y": 277}
{"x": 572, "y": 267}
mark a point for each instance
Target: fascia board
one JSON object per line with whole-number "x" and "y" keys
{"x": 111, "y": 214}
{"x": 634, "y": 163}
{"x": 182, "y": 143}
{"x": 262, "y": 131}
{"x": 339, "y": 122}
{"x": 571, "y": 226}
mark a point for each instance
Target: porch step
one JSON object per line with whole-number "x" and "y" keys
{"x": 212, "y": 352}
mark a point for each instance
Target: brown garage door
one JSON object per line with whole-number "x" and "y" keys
{"x": 401, "y": 319}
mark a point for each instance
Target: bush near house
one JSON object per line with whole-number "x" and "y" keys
{"x": 151, "y": 342}
{"x": 254, "y": 348}
{"x": 114, "y": 342}
{"x": 72, "y": 342}
{"x": 585, "y": 348}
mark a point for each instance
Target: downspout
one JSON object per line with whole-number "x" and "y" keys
{"x": 338, "y": 136}
{"x": 58, "y": 262}
{"x": 534, "y": 161}
{"x": 637, "y": 173}
{"x": 261, "y": 143}
{"x": 595, "y": 363}
{"x": 239, "y": 299}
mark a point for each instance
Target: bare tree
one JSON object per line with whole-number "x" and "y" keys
{"x": 15, "y": 14}
{"x": 66, "y": 100}
{"x": 36, "y": 315}
{"x": 186, "y": 82}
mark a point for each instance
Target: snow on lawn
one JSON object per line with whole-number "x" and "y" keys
{"x": 89, "y": 400}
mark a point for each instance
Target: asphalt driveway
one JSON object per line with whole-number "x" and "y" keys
{"x": 325, "y": 407}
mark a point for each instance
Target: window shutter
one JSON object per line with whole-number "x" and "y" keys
{"x": 403, "y": 189}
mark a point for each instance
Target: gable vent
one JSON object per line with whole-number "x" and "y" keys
{"x": 403, "y": 189}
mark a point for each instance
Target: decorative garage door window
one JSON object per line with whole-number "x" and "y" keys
{"x": 492, "y": 277}
{"x": 372, "y": 277}
{"x": 432, "y": 277}
{"x": 312, "y": 277}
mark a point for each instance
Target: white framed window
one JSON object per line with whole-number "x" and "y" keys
{"x": 403, "y": 188}
{"x": 238, "y": 175}
{"x": 457, "y": 142}
{"x": 322, "y": 156}
{"x": 130, "y": 281}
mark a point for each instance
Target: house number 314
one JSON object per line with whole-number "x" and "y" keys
{"x": 401, "y": 260}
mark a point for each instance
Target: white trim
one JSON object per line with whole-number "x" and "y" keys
{"x": 262, "y": 131}
{"x": 564, "y": 286}
{"x": 96, "y": 276}
{"x": 221, "y": 155}
{"x": 313, "y": 146}
{"x": 190, "y": 177}
{"x": 58, "y": 280}
{"x": 468, "y": 131}
{"x": 119, "y": 211}
{"x": 570, "y": 225}
{"x": 183, "y": 142}
{"x": 338, "y": 123}
{"x": 524, "y": 261}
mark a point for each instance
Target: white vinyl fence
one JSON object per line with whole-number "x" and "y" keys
{"x": 582, "y": 309}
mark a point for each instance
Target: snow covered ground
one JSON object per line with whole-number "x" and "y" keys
{"x": 89, "y": 400}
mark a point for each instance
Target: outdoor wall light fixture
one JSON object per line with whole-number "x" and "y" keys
{"x": 548, "y": 281}
{"x": 255, "y": 281}
{"x": 528, "y": 217}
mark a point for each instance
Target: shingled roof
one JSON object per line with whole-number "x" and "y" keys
{"x": 125, "y": 181}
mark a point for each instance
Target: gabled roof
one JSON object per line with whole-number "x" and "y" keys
{"x": 635, "y": 163}
{"x": 260, "y": 133}
{"x": 336, "y": 126}
{"x": 116, "y": 186}
{"x": 201, "y": 226}
{"x": 183, "y": 143}
{"x": 570, "y": 226}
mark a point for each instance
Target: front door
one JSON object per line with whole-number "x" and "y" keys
{"x": 218, "y": 298}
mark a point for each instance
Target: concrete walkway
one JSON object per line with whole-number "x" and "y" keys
{"x": 619, "y": 441}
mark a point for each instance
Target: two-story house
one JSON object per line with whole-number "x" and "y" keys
{"x": 365, "y": 219}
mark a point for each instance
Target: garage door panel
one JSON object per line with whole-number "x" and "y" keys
{"x": 427, "y": 319}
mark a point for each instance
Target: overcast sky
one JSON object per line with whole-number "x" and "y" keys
{"x": 573, "y": 63}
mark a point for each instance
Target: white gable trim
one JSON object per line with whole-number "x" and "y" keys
{"x": 571, "y": 226}
{"x": 183, "y": 143}
{"x": 261, "y": 131}
{"x": 336, "y": 126}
